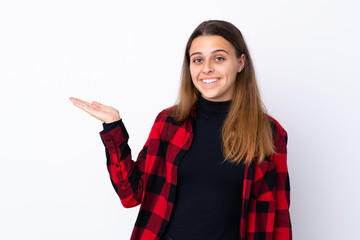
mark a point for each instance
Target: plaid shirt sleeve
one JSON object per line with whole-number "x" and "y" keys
{"x": 125, "y": 174}
{"x": 282, "y": 224}
{"x": 268, "y": 215}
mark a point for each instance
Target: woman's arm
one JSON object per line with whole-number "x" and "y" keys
{"x": 126, "y": 174}
{"x": 282, "y": 225}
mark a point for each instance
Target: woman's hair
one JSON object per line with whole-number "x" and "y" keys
{"x": 246, "y": 132}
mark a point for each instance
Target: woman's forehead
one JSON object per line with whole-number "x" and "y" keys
{"x": 210, "y": 44}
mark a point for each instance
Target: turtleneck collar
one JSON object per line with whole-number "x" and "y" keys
{"x": 213, "y": 107}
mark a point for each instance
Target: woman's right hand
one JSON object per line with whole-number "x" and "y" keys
{"x": 104, "y": 113}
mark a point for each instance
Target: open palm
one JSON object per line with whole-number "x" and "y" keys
{"x": 102, "y": 112}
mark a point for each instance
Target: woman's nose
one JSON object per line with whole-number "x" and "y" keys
{"x": 208, "y": 68}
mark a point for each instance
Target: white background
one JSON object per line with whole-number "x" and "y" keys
{"x": 53, "y": 178}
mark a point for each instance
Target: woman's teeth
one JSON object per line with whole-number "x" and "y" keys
{"x": 209, "y": 80}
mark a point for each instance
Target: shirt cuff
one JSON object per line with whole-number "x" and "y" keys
{"x": 110, "y": 126}
{"x": 117, "y": 135}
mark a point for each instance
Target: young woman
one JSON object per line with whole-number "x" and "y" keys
{"x": 214, "y": 165}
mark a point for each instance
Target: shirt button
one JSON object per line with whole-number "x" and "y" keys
{"x": 116, "y": 165}
{"x": 108, "y": 140}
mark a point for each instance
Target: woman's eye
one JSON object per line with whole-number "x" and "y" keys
{"x": 219, "y": 59}
{"x": 197, "y": 60}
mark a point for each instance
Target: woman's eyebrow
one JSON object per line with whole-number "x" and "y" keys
{"x": 215, "y": 51}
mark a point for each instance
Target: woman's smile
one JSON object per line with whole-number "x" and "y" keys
{"x": 209, "y": 81}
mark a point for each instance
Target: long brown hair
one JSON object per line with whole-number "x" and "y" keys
{"x": 246, "y": 133}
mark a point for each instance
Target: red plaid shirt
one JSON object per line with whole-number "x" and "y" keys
{"x": 151, "y": 180}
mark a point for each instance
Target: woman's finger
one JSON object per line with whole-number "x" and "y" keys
{"x": 97, "y": 104}
{"x": 87, "y": 107}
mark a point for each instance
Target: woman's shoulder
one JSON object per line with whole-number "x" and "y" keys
{"x": 166, "y": 117}
{"x": 280, "y": 136}
{"x": 276, "y": 126}
{"x": 165, "y": 127}
{"x": 162, "y": 115}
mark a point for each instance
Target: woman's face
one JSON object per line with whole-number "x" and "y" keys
{"x": 214, "y": 67}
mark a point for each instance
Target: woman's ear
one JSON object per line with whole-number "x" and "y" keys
{"x": 241, "y": 63}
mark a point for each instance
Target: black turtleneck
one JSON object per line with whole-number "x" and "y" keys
{"x": 208, "y": 197}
